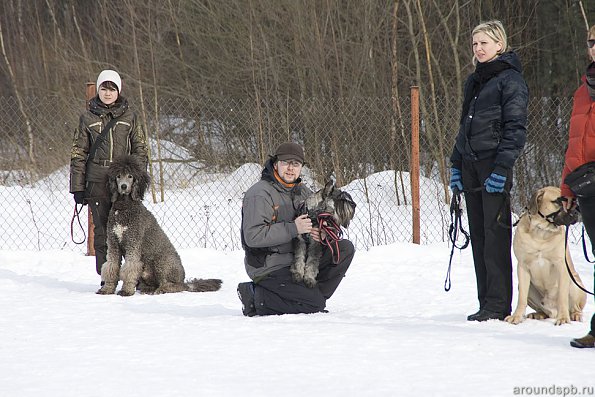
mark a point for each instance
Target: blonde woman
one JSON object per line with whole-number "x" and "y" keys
{"x": 491, "y": 136}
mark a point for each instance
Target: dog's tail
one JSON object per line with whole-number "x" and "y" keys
{"x": 202, "y": 285}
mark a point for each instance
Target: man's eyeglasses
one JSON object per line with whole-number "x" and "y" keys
{"x": 293, "y": 163}
{"x": 590, "y": 43}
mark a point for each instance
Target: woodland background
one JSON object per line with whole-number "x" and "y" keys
{"x": 228, "y": 80}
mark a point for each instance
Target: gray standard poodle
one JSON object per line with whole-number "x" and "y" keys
{"x": 151, "y": 264}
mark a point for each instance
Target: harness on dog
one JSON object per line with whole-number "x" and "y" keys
{"x": 570, "y": 218}
{"x": 327, "y": 224}
{"x": 454, "y": 229}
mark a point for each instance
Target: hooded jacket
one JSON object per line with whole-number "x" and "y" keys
{"x": 581, "y": 135}
{"x": 268, "y": 228}
{"x": 126, "y": 136}
{"x": 496, "y": 122}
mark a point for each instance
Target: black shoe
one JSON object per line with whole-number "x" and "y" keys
{"x": 472, "y": 317}
{"x": 246, "y": 295}
{"x": 485, "y": 315}
{"x": 586, "y": 342}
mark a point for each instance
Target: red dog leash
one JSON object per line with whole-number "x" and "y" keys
{"x": 333, "y": 234}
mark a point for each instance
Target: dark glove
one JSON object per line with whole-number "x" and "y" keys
{"x": 456, "y": 183}
{"x": 495, "y": 183}
{"x": 79, "y": 197}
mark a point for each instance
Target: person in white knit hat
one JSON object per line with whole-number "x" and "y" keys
{"x": 107, "y": 130}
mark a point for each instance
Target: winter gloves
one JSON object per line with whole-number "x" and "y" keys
{"x": 495, "y": 183}
{"x": 456, "y": 183}
{"x": 79, "y": 197}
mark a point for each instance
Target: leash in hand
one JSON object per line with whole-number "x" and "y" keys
{"x": 454, "y": 231}
{"x": 76, "y": 216}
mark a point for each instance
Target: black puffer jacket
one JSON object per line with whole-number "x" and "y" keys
{"x": 126, "y": 136}
{"x": 496, "y": 123}
{"x": 268, "y": 228}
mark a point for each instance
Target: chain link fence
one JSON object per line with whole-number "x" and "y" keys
{"x": 205, "y": 153}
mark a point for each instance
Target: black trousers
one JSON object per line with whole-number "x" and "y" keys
{"x": 99, "y": 202}
{"x": 490, "y": 228}
{"x": 587, "y": 207}
{"x": 279, "y": 294}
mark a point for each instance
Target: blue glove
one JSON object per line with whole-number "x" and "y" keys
{"x": 495, "y": 183}
{"x": 456, "y": 183}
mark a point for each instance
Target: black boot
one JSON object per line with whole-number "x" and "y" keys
{"x": 586, "y": 342}
{"x": 485, "y": 315}
{"x": 472, "y": 317}
{"x": 246, "y": 295}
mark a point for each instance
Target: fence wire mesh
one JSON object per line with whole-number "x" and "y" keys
{"x": 205, "y": 153}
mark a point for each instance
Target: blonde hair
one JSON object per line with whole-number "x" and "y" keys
{"x": 495, "y": 31}
{"x": 591, "y": 33}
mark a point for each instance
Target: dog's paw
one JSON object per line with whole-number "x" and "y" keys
{"x": 124, "y": 292}
{"x": 562, "y": 320}
{"x": 576, "y": 316}
{"x": 537, "y": 316}
{"x": 105, "y": 290}
{"x": 310, "y": 282}
{"x": 514, "y": 319}
{"x": 298, "y": 278}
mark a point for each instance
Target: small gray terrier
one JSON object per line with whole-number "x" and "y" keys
{"x": 329, "y": 209}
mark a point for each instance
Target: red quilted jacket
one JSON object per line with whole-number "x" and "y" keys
{"x": 581, "y": 135}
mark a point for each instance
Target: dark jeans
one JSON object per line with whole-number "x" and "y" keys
{"x": 99, "y": 202}
{"x": 587, "y": 207}
{"x": 279, "y": 294}
{"x": 490, "y": 228}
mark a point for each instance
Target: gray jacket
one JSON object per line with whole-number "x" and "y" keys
{"x": 268, "y": 213}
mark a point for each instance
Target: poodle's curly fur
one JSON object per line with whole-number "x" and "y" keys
{"x": 151, "y": 264}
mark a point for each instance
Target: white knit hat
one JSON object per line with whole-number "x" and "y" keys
{"x": 109, "y": 75}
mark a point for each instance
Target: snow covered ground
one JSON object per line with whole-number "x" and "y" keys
{"x": 391, "y": 330}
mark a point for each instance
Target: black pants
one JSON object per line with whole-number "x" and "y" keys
{"x": 279, "y": 294}
{"x": 490, "y": 228}
{"x": 99, "y": 202}
{"x": 587, "y": 207}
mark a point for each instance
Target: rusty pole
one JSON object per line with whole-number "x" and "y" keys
{"x": 89, "y": 94}
{"x": 414, "y": 166}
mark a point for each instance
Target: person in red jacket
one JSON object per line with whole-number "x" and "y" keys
{"x": 581, "y": 150}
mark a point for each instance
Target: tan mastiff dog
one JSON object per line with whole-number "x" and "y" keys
{"x": 538, "y": 245}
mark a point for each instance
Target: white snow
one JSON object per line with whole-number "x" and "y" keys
{"x": 391, "y": 330}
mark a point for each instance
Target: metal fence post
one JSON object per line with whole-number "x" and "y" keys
{"x": 89, "y": 94}
{"x": 414, "y": 173}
